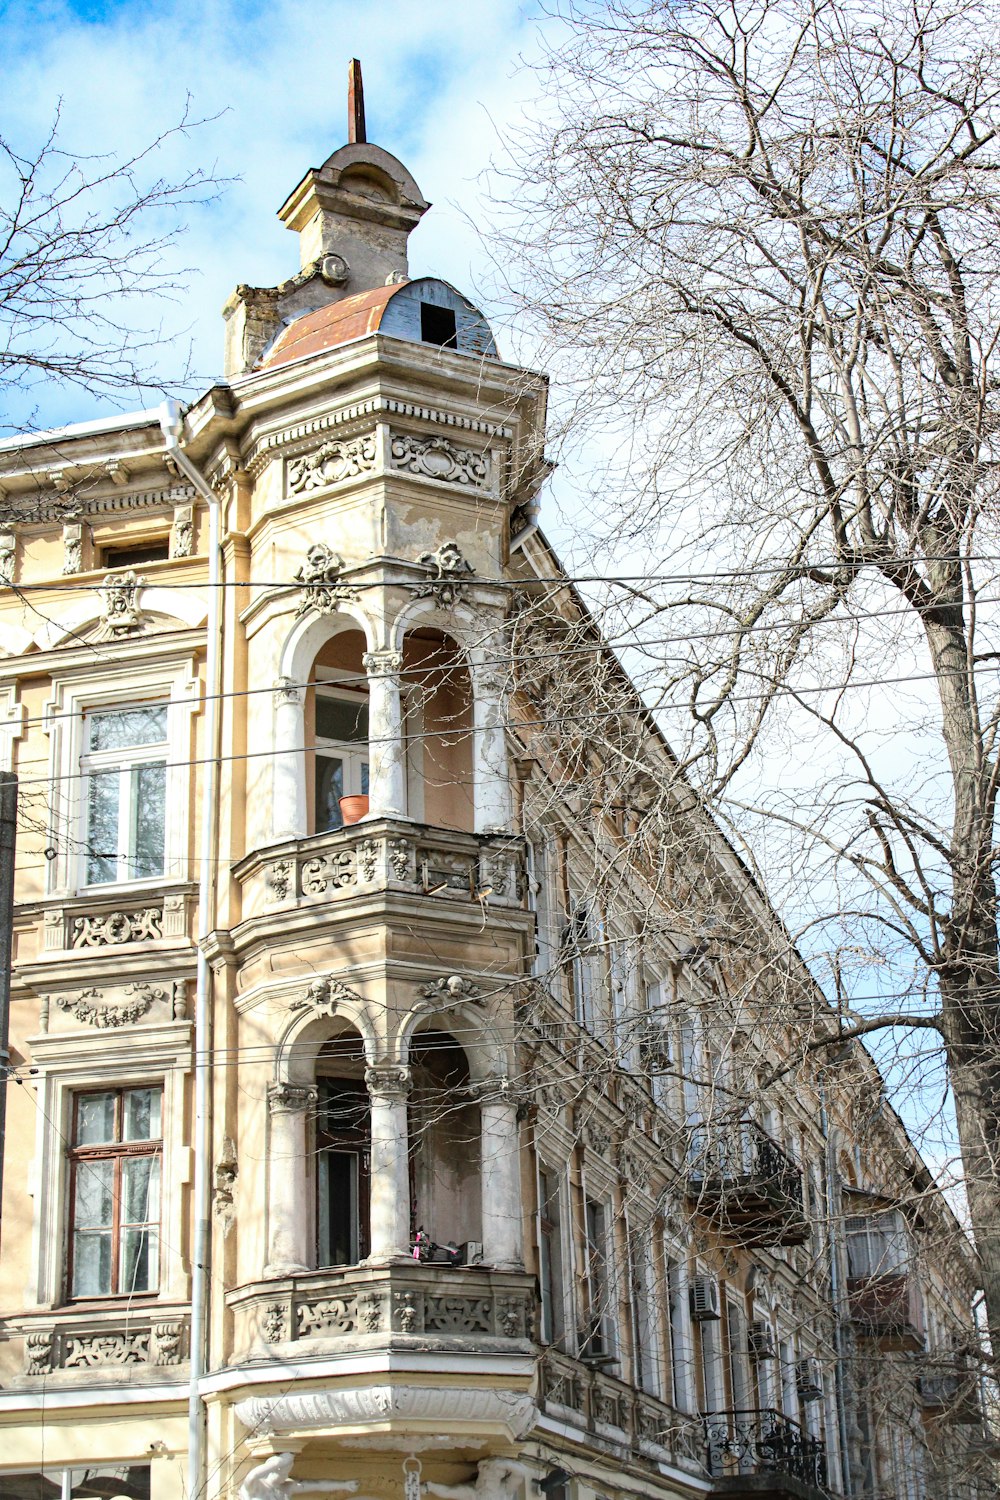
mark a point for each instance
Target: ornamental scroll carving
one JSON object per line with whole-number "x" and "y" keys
{"x": 90, "y": 1008}
{"x": 108, "y": 1348}
{"x": 319, "y": 576}
{"x": 449, "y": 575}
{"x": 324, "y": 995}
{"x": 437, "y": 458}
{"x": 451, "y": 987}
{"x": 331, "y": 463}
{"x": 100, "y": 928}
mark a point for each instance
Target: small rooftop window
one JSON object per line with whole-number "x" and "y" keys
{"x": 438, "y": 326}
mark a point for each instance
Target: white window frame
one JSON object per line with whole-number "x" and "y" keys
{"x": 348, "y": 752}
{"x": 124, "y": 762}
{"x": 71, "y": 1062}
{"x": 135, "y": 685}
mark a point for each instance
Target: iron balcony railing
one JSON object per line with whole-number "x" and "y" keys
{"x": 764, "y": 1441}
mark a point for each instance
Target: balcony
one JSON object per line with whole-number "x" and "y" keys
{"x": 577, "y": 1395}
{"x": 887, "y": 1310}
{"x": 949, "y": 1393}
{"x": 365, "y": 858}
{"x": 416, "y": 1306}
{"x": 744, "y": 1184}
{"x": 765, "y": 1453}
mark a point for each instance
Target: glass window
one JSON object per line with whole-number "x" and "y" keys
{"x": 97, "y": 1480}
{"x": 341, "y": 755}
{"x": 600, "y": 1340}
{"x": 877, "y": 1245}
{"x": 124, "y": 774}
{"x": 550, "y": 1257}
{"x": 343, "y": 1144}
{"x": 115, "y": 1192}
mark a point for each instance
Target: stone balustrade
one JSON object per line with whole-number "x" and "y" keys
{"x": 582, "y": 1396}
{"x": 383, "y": 855}
{"x": 412, "y": 1306}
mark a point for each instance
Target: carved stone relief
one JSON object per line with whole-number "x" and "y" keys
{"x": 72, "y": 538}
{"x": 323, "y": 996}
{"x": 50, "y": 1350}
{"x": 8, "y": 553}
{"x": 331, "y": 463}
{"x": 451, "y": 987}
{"x": 90, "y": 1007}
{"x": 291, "y": 1096}
{"x": 182, "y": 531}
{"x": 449, "y": 573}
{"x": 94, "y": 931}
{"x": 121, "y": 615}
{"x": 437, "y": 458}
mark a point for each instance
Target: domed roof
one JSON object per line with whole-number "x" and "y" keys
{"x": 425, "y": 311}
{"x": 327, "y": 327}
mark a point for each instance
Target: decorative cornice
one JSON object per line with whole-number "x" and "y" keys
{"x": 510, "y": 1411}
{"x": 97, "y": 505}
{"x": 295, "y": 439}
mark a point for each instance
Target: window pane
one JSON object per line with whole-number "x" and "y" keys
{"x": 109, "y": 1479}
{"x": 340, "y": 720}
{"x": 140, "y": 1189}
{"x": 149, "y": 792}
{"x": 95, "y": 1119}
{"x": 329, "y": 790}
{"x": 94, "y": 1193}
{"x": 102, "y": 826}
{"x": 123, "y": 729}
{"x": 139, "y": 1272}
{"x": 92, "y": 1264}
{"x": 141, "y": 1115}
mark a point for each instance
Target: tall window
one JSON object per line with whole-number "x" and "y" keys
{"x": 115, "y": 1192}
{"x": 647, "y": 1354}
{"x": 343, "y": 1144}
{"x": 550, "y": 1257}
{"x": 599, "y": 1339}
{"x": 124, "y": 775}
{"x": 680, "y": 1356}
{"x": 877, "y": 1245}
{"x": 341, "y": 755}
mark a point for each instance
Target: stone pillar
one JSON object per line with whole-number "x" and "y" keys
{"x": 501, "y": 1176}
{"x": 288, "y": 1215}
{"x": 490, "y": 772}
{"x": 288, "y": 806}
{"x": 389, "y": 1186}
{"x": 386, "y": 768}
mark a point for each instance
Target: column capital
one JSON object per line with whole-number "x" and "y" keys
{"x": 388, "y": 1082}
{"x": 287, "y": 690}
{"x": 286, "y": 1098}
{"x": 382, "y": 663}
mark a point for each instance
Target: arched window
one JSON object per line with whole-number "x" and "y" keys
{"x": 336, "y": 730}
{"x": 444, "y": 1142}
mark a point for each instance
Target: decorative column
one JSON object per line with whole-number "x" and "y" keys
{"x": 288, "y": 807}
{"x": 288, "y": 1215}
{"x": 389, "y": 1184}
{"x": 501, "y": 1175}
{"x": 386, "y": 768}
{"x": 490, "y": 772}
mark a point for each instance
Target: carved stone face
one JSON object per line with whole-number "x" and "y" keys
{"x": 455, "y": 985}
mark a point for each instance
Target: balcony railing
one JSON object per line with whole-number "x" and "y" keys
{"x": 764, "y": 1441}
{"x": 384, "y": 855}
{"x": 888, "y": 1310}
{"x": 741, "y": 1179}
{"x": 350, "y": 1306}
{"x": 951, "y": 1394}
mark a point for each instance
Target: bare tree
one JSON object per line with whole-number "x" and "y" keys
{"x": 85, "y": 244}
{"x": 767, "y": 234}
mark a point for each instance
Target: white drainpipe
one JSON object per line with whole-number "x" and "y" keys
{"x": 172, "y": 425}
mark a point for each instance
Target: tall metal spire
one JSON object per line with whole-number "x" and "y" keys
{"x": 355, "y": 104}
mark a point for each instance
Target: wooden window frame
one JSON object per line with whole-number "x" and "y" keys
{"x": 116, "y": 1151}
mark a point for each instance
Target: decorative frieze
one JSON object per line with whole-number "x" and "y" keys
{"x": 99, "y": 929}
{"x": 160, "y": 1343}
{"x": 90, "y": 1007}
{"x": 437, "y": 458}
{"x": 331, "y": 463}
{"x": 449, "y": 573}
{"x": 328, "y": 872}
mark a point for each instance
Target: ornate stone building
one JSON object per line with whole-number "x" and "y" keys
{"x": 373, "y": 1062}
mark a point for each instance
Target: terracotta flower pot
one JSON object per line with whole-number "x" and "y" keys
{"x": 353, "y": 809}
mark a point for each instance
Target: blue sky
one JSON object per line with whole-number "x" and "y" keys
{"x": 443, "y": 82}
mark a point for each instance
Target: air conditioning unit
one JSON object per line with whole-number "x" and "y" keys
{"x": 809, "y": 1379}
{"x": 703, "y": 1294}
{"x": 760, "y": 1340}
{"x": 654, "y": 1047}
